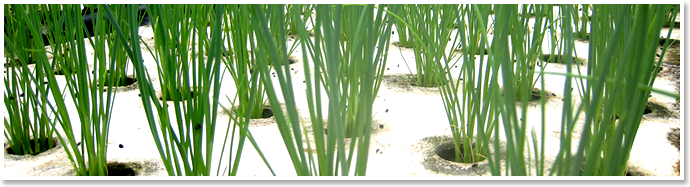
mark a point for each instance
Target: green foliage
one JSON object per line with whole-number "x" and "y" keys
{"x": 85, "y": 143}
{"x": 349, "y": 77}
{"x": 25, "y": 120}
{"x": 621, "y": 88}
{"x": 346, "y": 59}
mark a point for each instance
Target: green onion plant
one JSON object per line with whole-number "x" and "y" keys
{"x": 526, "y": 46}
{"x": 433, "y": 25}
{"x": 514, "y": 52}
{"x": 354, "y": 64}
{"x": 621, "y": 73}
{"x": 523, "y": 46}
{"x": 581, "y": 21}
{"x": 306, "y": 12}
{"x": 26, "y": 125}
{"x": 251, "y": 92}
{"x": 184, "y": 138}
{"x": 240, "y": 67}
{"x": 467, "y": 101}
{"x": 86, "y": 142}
{"x": 615, "y": 88}
{"x": 16, "y": 33}
{"x": 116, "y": 50}
{"x": 405, "y": 36}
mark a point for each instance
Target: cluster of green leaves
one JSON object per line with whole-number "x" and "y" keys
{"x": 346, "y": 59}
{"x": 621, "y": 72}
{"x": 513, "y": 52}
{"x": 86, "y": 82}
{"x": 26, "y": 125}
{"x": 405, "y": 35}
{"x": 349, "y": 49}
{"x": 467, "y": 102}
{"x": 431, "y": 26}
{"x": 251, "y": 92}
{"x": 621, "y": 88}
{"x": 185, "y": 138}
{"x": 581, "y": 20}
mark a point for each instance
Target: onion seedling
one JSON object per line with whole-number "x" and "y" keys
{"x": 184, "y": 138}
{"x": 361, "y": 71}
{"x": 433, "y": 25}
{"x": 581, "y": 21}
{"x": 26, "y": 124}
{"x": 619, "y": 78}
{"x": 86, "y": 144}
{"x": 251, "y": 92}
{"x": 405, "y": 37}
{"x": 468, "y": 110}
{"x": 117, "y": 52}
{"x": 239, "y": 38}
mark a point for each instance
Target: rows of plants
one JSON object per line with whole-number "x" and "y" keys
{"x": 56, "y": 89}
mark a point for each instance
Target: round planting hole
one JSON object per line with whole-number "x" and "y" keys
{"x": 447, "y": 152}
{"x": 653, "y": 109}
{"x": 647, "y": 110}
{"x": 123, "y": 81}
{"x": 122, "y": 169}
{"x": 439, "y": 156}
{"x": 673, "y": 42}
{"x": 43, "y": 144}
{"x": 267, "y": 112}
{"x": 293, "y": 59}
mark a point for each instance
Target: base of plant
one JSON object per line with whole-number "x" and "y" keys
{"x": 61, "y": 71}
{"x": 478, "y": 52}
{"x": 17, "y": 63}
{"x": 447, "y": 152}
{"x": 181, "y": 97}
{"x": 42, "y": 141}
{"x": 581, "y": 38}
{"x": 124, "y": 82}
{"x": 266, "y": 112}
{"x": 408, "y": 45}
{"x": 560, "y": 59}
{"x": 535, "y": 96}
